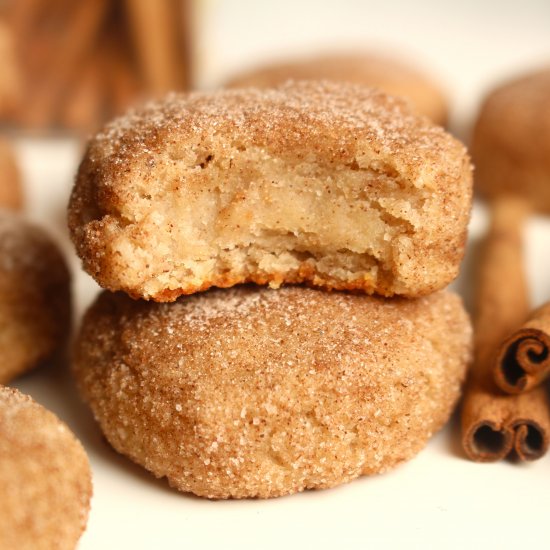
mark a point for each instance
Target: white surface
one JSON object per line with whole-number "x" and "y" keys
{"x": 439, "y": 499}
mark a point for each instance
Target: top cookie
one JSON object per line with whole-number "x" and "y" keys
{"x": 511, "y": 141}
{"x": 335, "y": 185}
{"x": 390, "y": 75}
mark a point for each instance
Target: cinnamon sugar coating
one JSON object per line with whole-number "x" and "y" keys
{"x": 389, "y": 74}
{"x": 335, "y": 185}
{"x": 254, "y": 392}
{"x": 45, "y": 478}
{"x": 511, "y": 141}
{"x": 35, "y": 299}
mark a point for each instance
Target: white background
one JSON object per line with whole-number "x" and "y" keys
{"x": 439, "y": 499}
{"x": 466, "y": 44}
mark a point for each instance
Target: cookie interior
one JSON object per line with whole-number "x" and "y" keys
{"x": 251, "y": 216}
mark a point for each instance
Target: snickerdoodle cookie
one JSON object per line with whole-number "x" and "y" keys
{"x": 387, "y": 73}
{"x": 335, "y": 185}
{"x": 254, "y": 392}
{"x": 35, "y": 304}
{"x": 511, "y": 141}
{"x": 45, "y": 478}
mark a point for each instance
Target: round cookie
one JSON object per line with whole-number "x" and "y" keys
{"x": 45, "y": 478}
{"x": 11, "y": 191}
{"x": 253, "y": 392}
{"x": 35, "y": 302}
{"x": 390, "y": 75}
{"x": 511, "y": 141}
{"x": 335, "y": 185}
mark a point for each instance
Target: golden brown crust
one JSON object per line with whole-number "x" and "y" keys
{"x": 35, "y": 301}
{"x": 129, "y": 213}
{"x": 390, "y": 75}
{"x": 511, "y": 141}
{"x": 45, "y": 478}
{"x": 253, "y": 392}
{"x": 11, "y": 191}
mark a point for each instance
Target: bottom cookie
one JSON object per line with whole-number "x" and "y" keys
{"x": 252, "y": 392}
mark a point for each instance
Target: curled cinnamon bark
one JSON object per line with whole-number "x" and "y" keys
{"x": 494, "y": 424}
{"x": 159, "y": 43}
{"x": 523, "y": 361}
{"x": 83, "y": 21}
{"x": 82, "y": 108}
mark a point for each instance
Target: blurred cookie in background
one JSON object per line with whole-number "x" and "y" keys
{"x": 11, "y": 189}
{"x": 391, "y": 75}
{"x": 511, "y": 140}
{"x": 45, "y": 478}
{"x": 35, "y": 302}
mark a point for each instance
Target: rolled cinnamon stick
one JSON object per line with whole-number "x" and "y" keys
{"x": 523, "y": 360}
{"x": 83, "y": 108}
{"x": 11, "y": 186}
{"x": 493, "y": 423}
{"x": 157, "y": 29}
{"x": 84, "y": 22}
{"x": 10, "y": 74}
{"x": 124, "y": 86}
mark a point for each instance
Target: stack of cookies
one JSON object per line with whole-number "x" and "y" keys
{"x": 261, "y": 391}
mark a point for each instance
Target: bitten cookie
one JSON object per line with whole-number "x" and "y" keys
{"x": 390, "y": 75}
{"x": 45, "y": 478}
{"x": 35, "y": 302}
{"x": 335, "y": 185}
{"x": 253, "y": 392}
{"x": 11, "y": 191}
{"x": 511, "y": 141}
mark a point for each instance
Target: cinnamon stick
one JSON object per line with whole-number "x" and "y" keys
{"x": 23, "y": 15}
{"x": 85, "y": 20}
{"x": 10, "y": 75}
{"x": 124, "y": 87}
{"x": 157, "y": 33}
{"x": 523, "y": 360}
{"x": 11, "y": 186}
{"x": 83, "y": 108}
{"x": 493, "y": 423}
{"x": 37, "y": 26}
